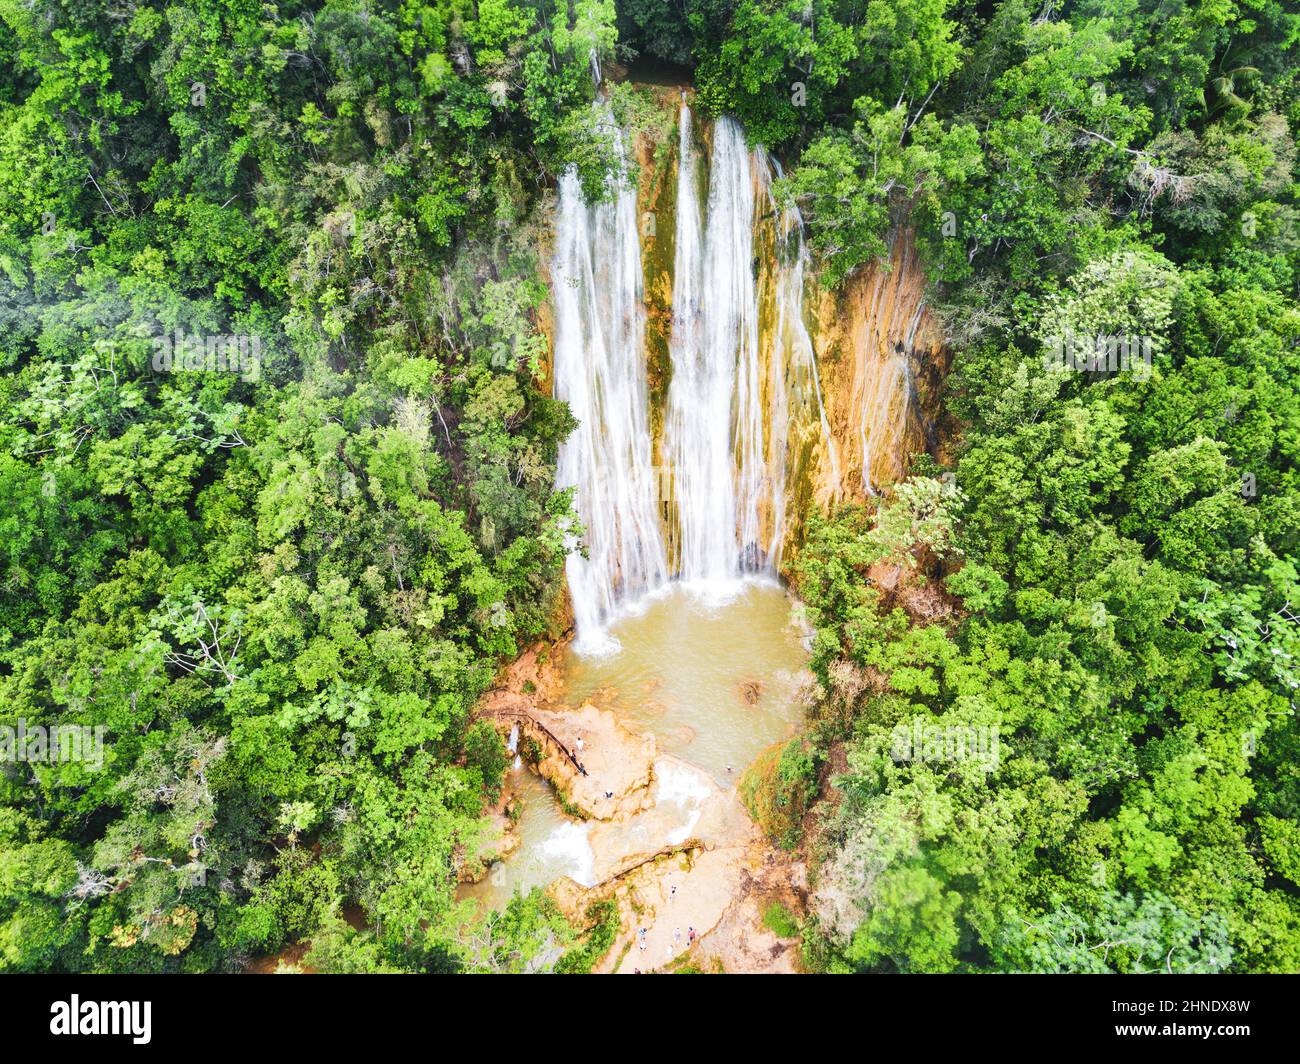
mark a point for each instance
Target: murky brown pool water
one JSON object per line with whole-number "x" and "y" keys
{"x": 714, "y": 681}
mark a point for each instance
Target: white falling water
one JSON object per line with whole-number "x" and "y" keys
{"x": 795, "y": 387}
{"x": 732, "y": 396}
{"x": 885, "y": 427}
{"x": 600, "y": 373}
{"x": 569, "y": 846}
{"x": 713, "y": 432}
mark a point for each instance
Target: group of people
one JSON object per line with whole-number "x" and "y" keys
{"x": 578, "y": 744}
{"x": 643, "y": 944}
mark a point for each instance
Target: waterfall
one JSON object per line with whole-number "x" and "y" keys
{"x": 513, "y": 746}
{"x": 744, "y": 405}
{"x": 795, "y": 387}
{"x": 713, "y": 432}
{"x": 888, "y": 402}
{"x": 882, "y": 394}
{"x": 599, "y": 370}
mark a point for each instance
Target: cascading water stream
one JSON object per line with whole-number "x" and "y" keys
{"x": 693, "y": 484}
{"x": 888, "y": 402}
{"x": 713, "y": 432}
{"x": 795, "y": 387}
{"x": 883, "y": 397}
{"x": 600, "y": 373}
{"x": 744, "y": 401}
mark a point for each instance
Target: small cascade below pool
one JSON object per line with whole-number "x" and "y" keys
{"x": 714, "y": 686}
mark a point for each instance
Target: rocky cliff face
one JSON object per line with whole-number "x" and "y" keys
{"x": 656, "y": 160}
{"x": 865, "y": 403}
{"x": 878, "y": 349}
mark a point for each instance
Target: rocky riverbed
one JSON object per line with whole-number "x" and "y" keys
{"x": 664, "y": 836}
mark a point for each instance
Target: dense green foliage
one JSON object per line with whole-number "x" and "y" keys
{"x": 778, "y": 788}
{"x": 1108, "y": 573}
{"x": 279, "y": 590}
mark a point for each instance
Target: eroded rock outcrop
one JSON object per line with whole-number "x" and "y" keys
{"x": 867, "y": 401}
{"x": 877, "y": 346}
{"x": 600, "y": 770}
{"x": 699, "y": 904}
